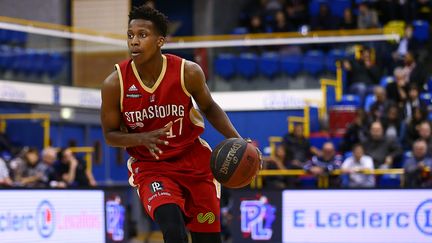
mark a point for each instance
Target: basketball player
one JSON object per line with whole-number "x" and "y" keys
{"x": 150, "y": 96}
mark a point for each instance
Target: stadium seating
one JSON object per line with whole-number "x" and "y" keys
{"x": 247, "y": 65}
{"x": 386, "y": 80}
{"x": 337, "y": 7}
{"x": 269, "y": 64}
{"x": 291, "y": 64}
{"x": 421, "y": 30}
{"x": 313, "y": 62}
{"x": 331, "y": 58}
{"x": 369, "y": 100}
{"x": 224, "y": 65}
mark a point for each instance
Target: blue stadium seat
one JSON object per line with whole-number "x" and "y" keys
{"x": 56, "y": 63}
{"x": 421, "y": 30}
{"x": 389, "y": 181}
{"x": 17, "y": 59}
{"x": 239, "y": 31}
{"x": 337, "y": 7}
{"x": 224, "y": 65}
{"x": 386, "y": 80}
{"x": 314, "y": 6}
{"x": 313, "y": 62}
{"x": 350, "y": 100}
{"x": 269, "y": 64}
{"x": 5, "y": 36}
{"x": 429, "y": 85}
{"x": 247, "y": 65}
{"x": 5, "y": 57}
{"x": 291, "y": 64}
{"x": 333, "y": 56}
{"x": 369, "y": 100}
{"x": 18, "y": 38}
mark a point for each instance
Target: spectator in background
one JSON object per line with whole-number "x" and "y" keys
{"x": 381, "y": 105}
{"x": 280, "y": 23}
{"x": 295, "y": 12}
{"x": 324, "y": 20}
{"x": 24, "y": 169}
{"x": 397, "y": 91}
{"x": 424, "y": 131}
{"x": 325, "y": 164}
{"x": 394, "y": 127}
{"x": 417, "y": 74}
{"x": 415, "y": 166}
{"x": 298, "y": 148}
{"x": 406, "y": 43}
{"x": 367, "y": 17}
{"x": 5, "y": 179}
{"x": 423, "y": 10}
{"x": 73, "y": 171}
{"x": 362, "y": 73}
{"x": 256, "y": 25}
{"x": 383, "y": 151}
{"x": 419, "y": 116}
{"x": 348, "y": 21}
{"x": 413, "y": 102}
{"x": 46, "y": 168}
{"x": 355, "y": 165}
{"x": 276, "y": 161}
{"x": 357, "y": 131}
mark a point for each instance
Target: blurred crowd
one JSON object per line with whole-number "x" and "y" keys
{"x": 49, "y": 168}
{"x": 261, "y": 16}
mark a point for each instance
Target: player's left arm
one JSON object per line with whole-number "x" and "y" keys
{"x": 196, "y": 85}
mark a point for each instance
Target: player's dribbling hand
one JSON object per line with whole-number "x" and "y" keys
{"x": 258, "y": 151}
{"x": 153, "y": 138}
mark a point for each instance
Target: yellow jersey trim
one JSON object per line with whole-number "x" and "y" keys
{"x": 196, "y": 117}
{"x": 182, "y": 78}
{"x": 117, "y": 67}
{"x": 158, "y": 81}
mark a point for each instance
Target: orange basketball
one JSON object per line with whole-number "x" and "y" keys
{"x": 235, "y": 162}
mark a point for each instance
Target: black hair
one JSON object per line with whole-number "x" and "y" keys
{"x": 159, "y": 20}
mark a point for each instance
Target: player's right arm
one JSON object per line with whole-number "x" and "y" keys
{"x": 111, "y": 121}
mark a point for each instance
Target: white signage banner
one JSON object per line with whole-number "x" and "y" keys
{"x": 80, "y": 97}
{"x": 52, "y": 216}
{"x": 26, "y": 92}
{"x": 357, "y": 216}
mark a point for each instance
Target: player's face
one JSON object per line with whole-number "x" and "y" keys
{"x": 143, "y": 40}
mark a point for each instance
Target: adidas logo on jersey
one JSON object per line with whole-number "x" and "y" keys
{"x": 132, "y": 88}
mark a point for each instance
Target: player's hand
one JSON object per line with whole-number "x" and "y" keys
{"x": 258, "y": 151}
{"x": 152, "y": 139}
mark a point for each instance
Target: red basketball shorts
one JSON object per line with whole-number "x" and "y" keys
{"x": 187, "y": 182}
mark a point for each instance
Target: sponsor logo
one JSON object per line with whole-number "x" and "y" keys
{"x": 230, "y": 157}
{"x": 136, "y": 124}
{"x": 133, "y": 95}
{"x": 45, "y": 215}
{"x": 208, "y": 217}
{"x": 152, "y": 98}
{"x": 156, "y": 186}
{"x": 115, "y": 216}
{"x": 132, "y": 88}
{"x": 423, "y": 217}
{"x": 257, "y": 217}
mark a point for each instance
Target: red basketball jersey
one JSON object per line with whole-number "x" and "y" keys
{"x": 146, "y": 109}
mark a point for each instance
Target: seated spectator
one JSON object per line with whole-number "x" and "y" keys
{"x": 415, "y": 166}
{"x": 362, "y": 73}
{"x": 424, "y": 131}
{"x": 276, "y": 161}
{"x": 413, "y": 102}
{"x": 383, "y": 151}
{"x": 348, "y": 22}
{"x": 6, "y": 145}
{"x": 419, "y": 116}
{"x": 357, "y": 131}
{"x": 298, "y": 148}
{"x": 256, "y": 25}
{"x": 5, "y": 179}
{"x": 394, "y": 127}
{"x": 73, "y": 171}
{"x": 324, "y": 20}
{"x": 295, "y": 14}
{"x": 325, "y": 164}
{"x": 280, "y": 24}
{"x": 355, "y": 165}
{"x": 25, "y": 169}
{"x": 407, "y": 43}
{"x": 367, "y": 17}
{"x": 417, "y": 73}
{"x": 46, "y": 168}
{"x": 381, "y": 105}
{"x": 397, "y": 91}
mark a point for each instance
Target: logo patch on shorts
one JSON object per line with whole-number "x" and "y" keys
{"x": 208, "y": 217}
{"x": 156, "y": 186}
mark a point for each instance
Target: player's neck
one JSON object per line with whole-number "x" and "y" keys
{"x": 150, "y": 70}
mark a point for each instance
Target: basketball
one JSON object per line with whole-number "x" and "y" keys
{"x": 235, "y": 162}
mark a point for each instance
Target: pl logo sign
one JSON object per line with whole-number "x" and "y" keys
{"x": 257, "y": 217}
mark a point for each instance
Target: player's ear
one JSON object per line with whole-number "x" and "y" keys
{"x": 161, "y": 41}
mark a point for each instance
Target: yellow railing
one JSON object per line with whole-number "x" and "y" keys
{"x": 298, "y": 119}
{"x": 322, "y": 180}
{"x": 337, "y": 83}
{"x": 88, "y": 155}
{"x": 29, "y": 116}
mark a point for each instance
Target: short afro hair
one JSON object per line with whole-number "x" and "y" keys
{"x": 159, "y": 20}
